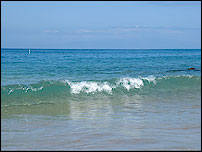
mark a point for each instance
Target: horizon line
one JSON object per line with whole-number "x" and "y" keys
{"x": 104, "y": 48}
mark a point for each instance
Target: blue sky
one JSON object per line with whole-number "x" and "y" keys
{"x": 101, "y": 24}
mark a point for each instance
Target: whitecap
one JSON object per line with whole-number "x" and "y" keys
{"x": 129, "y": 83}
{"x": 89, "y": 87}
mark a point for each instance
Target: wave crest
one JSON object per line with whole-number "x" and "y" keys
{"x": 49, "y": 91}
{"x": 89, "y": 87}
{"x": 92, "y": 87}
{"x": 108, "y": 86}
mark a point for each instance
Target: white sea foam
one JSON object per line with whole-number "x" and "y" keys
{"x": 36, "y": 89}
{"x": 89, "y": 87}
{"x": 26, "y": 89}
{"x": 129, "y": 83}
{"x": 92, "y": 87}
{"x": 176, "y": 76}
{"x": 31, "y": 88}
{"x": 10, "y": 91}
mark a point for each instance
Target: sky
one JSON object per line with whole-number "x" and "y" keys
{"x": 101, "y": 24}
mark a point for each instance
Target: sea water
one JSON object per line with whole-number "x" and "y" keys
{"x": 100, "y": 99}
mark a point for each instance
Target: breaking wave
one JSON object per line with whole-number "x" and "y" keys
{"x": 48, "y": 90}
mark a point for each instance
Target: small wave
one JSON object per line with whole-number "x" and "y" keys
{"x": 107, "y": 86}
{"x": 90, "y": 87}
{"x": 51, "y": 91}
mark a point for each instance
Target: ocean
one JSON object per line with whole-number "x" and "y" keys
{"x": 100, "y": 99}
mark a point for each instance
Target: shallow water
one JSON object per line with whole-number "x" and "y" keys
{"x": 100, "y": 100}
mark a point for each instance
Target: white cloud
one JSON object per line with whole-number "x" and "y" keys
{"x": 131, "y": 29}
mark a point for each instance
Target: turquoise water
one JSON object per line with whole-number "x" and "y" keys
{"x": 92, "y": 99}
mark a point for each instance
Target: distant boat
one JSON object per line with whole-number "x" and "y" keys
{"x": 29, "y": 51}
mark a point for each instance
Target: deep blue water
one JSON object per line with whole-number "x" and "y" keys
{"x": 18, "y": 66}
